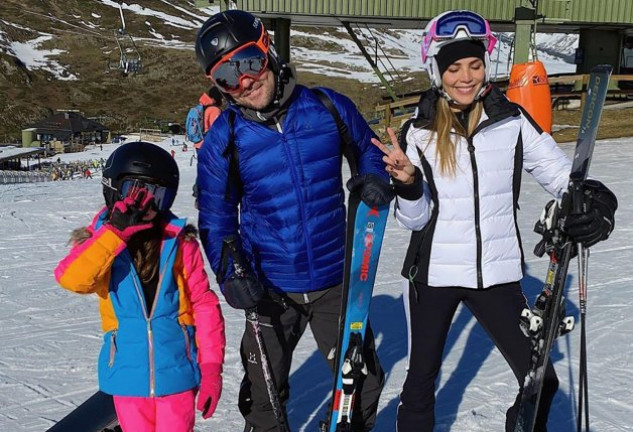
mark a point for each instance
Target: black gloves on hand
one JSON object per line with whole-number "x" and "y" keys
{"x": 598, "y": 219}
{"x": 374, "y": 190}
{"x": 126, "y": 217}
{"x": 242, "y": 292}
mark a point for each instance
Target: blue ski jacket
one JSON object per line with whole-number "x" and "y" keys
{"x": 291, "y": 216}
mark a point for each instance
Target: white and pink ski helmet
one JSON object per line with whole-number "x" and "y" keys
{"x": 450, "y": 27}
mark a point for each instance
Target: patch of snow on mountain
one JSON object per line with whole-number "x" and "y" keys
{"x": 166, "y": 18}
{"x": 34, "y": 57}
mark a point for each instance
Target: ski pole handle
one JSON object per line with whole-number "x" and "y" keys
{"x": 231, "y": 243}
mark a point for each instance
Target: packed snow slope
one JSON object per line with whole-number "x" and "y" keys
{"x": 49, "y": 338}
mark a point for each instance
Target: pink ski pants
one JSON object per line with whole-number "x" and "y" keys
{"x": 173, "y": 413}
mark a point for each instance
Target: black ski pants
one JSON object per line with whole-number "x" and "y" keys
{"x": 281, "y": 331}
{"x": 431, "y": 310}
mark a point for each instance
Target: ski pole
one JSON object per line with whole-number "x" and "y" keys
{"x": 583, "y": 387}
{"x": 583, "y": 263}
{"x": 252, "y": 317}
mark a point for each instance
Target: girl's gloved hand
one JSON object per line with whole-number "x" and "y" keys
{"x": 127, "y": 216}
{"x": 210, "y": 389}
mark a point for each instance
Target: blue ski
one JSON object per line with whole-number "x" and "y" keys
{"x": 365, "y": 231}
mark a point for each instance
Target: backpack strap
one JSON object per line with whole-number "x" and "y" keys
{"x": 346, "y": 137}
{"x": 234, "y": 167}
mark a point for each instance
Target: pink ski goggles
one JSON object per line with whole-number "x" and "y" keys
{"x": 448, "y": 25}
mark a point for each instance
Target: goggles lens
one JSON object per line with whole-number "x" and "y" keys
{"x": 163, "y": 196}
{"x": 448, "y": 25}
{"x": 248, "y": 61}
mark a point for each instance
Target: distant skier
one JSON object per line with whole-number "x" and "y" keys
{"x": 199, "y": 121}
{"x": 458, "y": 190}
{"x": 164, "y": 329}
{"x": 211, "y": 101}
{"x": 289, "y": 210}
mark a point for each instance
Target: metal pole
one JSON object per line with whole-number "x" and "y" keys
{"x": 282, "y": 38}
{"x": 373, "y": 65}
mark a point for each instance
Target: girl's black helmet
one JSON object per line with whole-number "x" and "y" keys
{"x": 139, "y": 160}
{"x": 226, "y": 31}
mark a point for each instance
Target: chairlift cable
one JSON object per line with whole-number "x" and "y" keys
{"x": 56, "y": 19}
{"x": 384, "y": 53}
{"x": 377, "y": 60}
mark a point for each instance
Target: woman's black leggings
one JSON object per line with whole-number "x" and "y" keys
{"x": 431, "y": 311}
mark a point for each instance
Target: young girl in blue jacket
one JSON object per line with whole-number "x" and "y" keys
{"x": 164, "y": 332}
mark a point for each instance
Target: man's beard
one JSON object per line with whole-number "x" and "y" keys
{"x": 269, "y": 96}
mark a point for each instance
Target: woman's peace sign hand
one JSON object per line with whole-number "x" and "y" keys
{"x": 398, "y": 164}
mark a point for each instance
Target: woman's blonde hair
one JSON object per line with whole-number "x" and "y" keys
{"x": 444, "y": 122}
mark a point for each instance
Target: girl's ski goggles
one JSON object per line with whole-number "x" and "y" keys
{"x": 447, "y": 26}
{"x": 249, "y": 60}
{"x": 163, "y": 195}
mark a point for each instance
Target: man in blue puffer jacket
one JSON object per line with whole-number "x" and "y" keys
{"x": 270, "y": 172}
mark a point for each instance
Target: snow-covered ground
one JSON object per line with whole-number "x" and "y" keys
{"x": 49, "y": 338}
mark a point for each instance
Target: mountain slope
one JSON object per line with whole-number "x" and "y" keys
{"x": 63, "y": 54}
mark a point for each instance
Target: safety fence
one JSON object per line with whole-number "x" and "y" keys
{"x": 562, "y": 88}
{"x": 11, "y": 177}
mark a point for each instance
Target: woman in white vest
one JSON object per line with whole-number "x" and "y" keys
{"x": 457, "y": 173}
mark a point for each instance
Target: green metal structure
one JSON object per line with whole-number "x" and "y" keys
{"x": 412, "y": 12}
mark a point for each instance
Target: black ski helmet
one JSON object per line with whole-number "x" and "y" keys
{"x": 226, "y": 31}
{"x": 139, "y": 160}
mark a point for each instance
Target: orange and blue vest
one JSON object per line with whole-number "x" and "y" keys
{"x": 147, "y": 351}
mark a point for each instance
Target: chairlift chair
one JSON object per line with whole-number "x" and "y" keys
{"x": 129, "y": 56}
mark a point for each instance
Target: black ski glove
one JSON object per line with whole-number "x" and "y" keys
{"x": 374, "y": 191}
{"x": 242, "y": 292}
{"x": 598, "y": 219}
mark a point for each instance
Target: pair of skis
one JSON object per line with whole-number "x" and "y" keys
{"x": 546, "y": 320}
{"x": 365, "y": 231}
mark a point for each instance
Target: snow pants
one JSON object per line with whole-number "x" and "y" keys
{"x": 173, "y": 413}
{"x": 431, "y": 311}
{"x": 281, "y": 330}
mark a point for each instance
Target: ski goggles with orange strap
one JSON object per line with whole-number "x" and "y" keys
{"x": 249, "y": 60}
